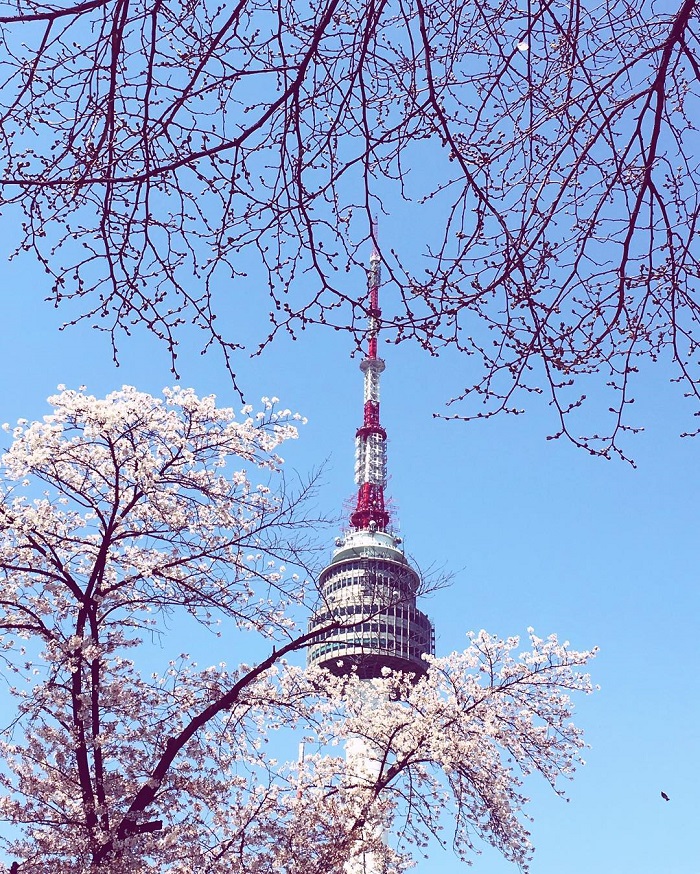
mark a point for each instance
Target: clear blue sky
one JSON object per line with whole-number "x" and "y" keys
{"x": 536, "y": 532}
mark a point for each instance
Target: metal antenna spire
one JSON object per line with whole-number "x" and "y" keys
{"x": 370, "y": 439}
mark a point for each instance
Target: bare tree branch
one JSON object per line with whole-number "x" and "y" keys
{"x": 168, "y": 155}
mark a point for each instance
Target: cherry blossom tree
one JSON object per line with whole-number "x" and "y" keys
{"x": 169, "y": 155}
{"x": 124, "y": 515}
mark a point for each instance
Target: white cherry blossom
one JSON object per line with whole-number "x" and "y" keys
{"x": 119, "y": 513}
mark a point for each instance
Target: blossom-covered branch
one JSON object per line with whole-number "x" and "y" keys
{"x": 121, "y": 516}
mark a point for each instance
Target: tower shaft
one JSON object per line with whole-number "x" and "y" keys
{"x": 364, "y": 769}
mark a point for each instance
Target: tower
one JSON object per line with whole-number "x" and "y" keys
{"x": 369, "y": 586}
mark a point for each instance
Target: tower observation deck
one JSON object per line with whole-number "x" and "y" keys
{"x": 368, "y": 591}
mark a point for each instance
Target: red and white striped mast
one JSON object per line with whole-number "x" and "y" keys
{"x": 370, "y": 439}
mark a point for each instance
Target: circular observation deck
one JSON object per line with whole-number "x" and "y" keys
{"x": 367, "y": 618}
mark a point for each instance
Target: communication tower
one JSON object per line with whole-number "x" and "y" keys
{"x": 369, "y": 585}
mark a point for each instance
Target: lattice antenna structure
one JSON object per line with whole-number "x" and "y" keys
{"x": 370, "y": 440}
{"x": 369, "y": 586}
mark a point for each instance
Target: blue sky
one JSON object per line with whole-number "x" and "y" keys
{"x": 536, "y": 532}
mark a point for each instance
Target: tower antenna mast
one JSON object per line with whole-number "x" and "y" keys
{"x": 370, "y": 439}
